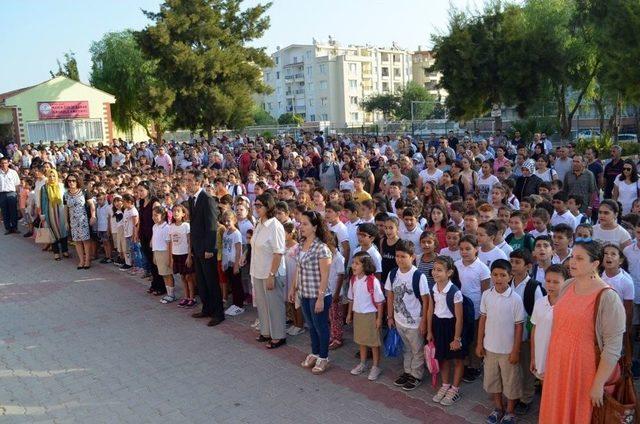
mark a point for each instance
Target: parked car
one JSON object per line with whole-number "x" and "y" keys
{"x": 628, "y": 138}
{"x": 588, "y": 134}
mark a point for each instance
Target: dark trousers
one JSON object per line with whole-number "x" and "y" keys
{"x": 209, "y": 286}
{"x": 60, "y": 246}
{"x": 9, "y": 206}
{"x": 157, "y": 282}
{"x": 237, "y": 291}
{"x": 318, "y": 324}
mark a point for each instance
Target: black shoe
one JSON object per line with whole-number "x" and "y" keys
{"x": 275, "y": 345}
{"x": 29, "y": 234}
{"x": 522, "y": 408}
{"x": 401, "y": 381}
{"x": 411, "y": 384}
{"x": 262, "y": 339}
{"x": 215, "y": 321}
{"x": 199, "y": 315}
{"x": 6, "y": 233}
{"x": 470, "y": 375}
{"x": 125, "y": 267}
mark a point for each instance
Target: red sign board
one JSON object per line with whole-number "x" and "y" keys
{"x": 62, "y": 110}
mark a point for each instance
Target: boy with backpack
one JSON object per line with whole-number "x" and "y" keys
{"x": 518, "y": 239}
{"x": 407, "y": 294}
{"x": 529, "y": 290}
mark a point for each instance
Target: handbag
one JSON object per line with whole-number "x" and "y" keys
{"x": 619, "y": 402}
{"x": 392, "y": 343}
{"x": 44, "y": 234}
{"x": 432, "y": 363}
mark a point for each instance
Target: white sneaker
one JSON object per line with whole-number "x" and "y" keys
{"x": 233, "y": 310}
{"x": 256, "y": 324}
{"x": 374, "y": 373}
{"x": 359, "y": 369}
{"x": 295, "y": 331}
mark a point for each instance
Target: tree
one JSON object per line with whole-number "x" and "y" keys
{"x": 262, "y": 117}
{"x": 411, "y": 93}
{"x": 290, "y": 119}
{"x": 385, "y": 103}
{"x": 69, "y": 68}
{"x": 201, "y": 51}
{"x": 120, "y": 67}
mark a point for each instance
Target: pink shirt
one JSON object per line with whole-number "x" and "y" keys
{"x": 497, "y": 163}
{"x": 165, "y": 162}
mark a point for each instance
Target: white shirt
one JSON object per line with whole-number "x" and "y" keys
{"x": 352, "y": 233}
{"x": 102, "y": 216}
{"x": 160, "y": 237}
{"x": 407, "y": 309}
{"x": 244, "y": 226}
{"x": 229, "y": 242}
{"x": 616, "y": 236}
{"x": 375, "y": 255}
{"x": 505, "y": 247}
{"x": 414, "y": 236}
{"x": 342, "y": 234}
{"x": 359, "y": 294}
{"x": 179, "y": 235}
{"x": 520, "y": 290}
{"x": 546, "y": 175}
{"x": 622, "y": 283}
{"x": 485, "y": 184}
{"x": 503, "y": 312}
{"x": 566, "y": 218}
{"x": 627, "y": 193}
{"x": 9, "y": 181}
{"x": 425, "y": 176}
{"x": 632, "y": 253}
{"x": 542, "y": 318}
{"x": 336, "y": 268}
{"x": 487, "y": 258}
{"x": 470, "y": 278}
{"x": 453, "y": 254}
{"x": 268, "y": 239}
{"x": 441, "y": 309}
{"x": 127, "y": 219}
{"x": 346, "y": 185}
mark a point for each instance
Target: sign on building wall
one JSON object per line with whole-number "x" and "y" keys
{"x": 62, "y": 110}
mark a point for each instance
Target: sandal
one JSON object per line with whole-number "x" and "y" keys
{"x": 263, "y": 339}
{"x": 335, "y": 345}
{"x": 57, "y": 258}
{"x": 275, "y": 345}
{"x": 66, "y": 255}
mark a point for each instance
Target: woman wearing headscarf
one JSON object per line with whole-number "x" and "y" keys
{"x": 54, "y": 213}
{"x": 528, "y": 183}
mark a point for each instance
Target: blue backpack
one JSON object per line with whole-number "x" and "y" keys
{"x": 415, "y": 282}
{"x": 468, "y": 314}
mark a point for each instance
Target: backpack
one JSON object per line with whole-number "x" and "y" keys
{"x": 415, "y": 282}
{"x": 370, "y": 280}
{"x": 529, "y": 240}
{"x": 468, "y": 313}
{"x": 529, "y": 298}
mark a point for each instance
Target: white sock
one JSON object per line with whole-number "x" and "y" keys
{"x": 170, "y": 291}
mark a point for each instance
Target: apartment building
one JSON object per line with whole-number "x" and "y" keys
{"x": 422, "y": 61}
{"x": 328, "y": 82}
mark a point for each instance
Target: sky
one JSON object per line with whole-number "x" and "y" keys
{"x": 35, "y": 33}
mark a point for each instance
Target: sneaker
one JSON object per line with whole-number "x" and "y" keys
{"x": 183, "y": 302}
{"x": 233, "y": 311}
{"x": 495, "y": 417}
{"x": 401, "y": 381}
{"x": 374, "y": 373}
{"x": 168, "y": 299}
{"x": 522, "y": 408}
{"x": 452, "y": 396}
{"x": 295, "y": 331}
{"x": 508, "y": 419}
{"x": 125, "y": 267}
{"x": 411, "y": 384}
{"x": 359, "y": 369}
{"x": 321, "y": 366}
{"x": 309, "y": 361}
{"x": 440, "y": 395}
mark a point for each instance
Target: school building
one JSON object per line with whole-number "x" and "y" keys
{"x": 57, "y": 110}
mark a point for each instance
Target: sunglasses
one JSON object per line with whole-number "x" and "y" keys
{"x": 627, "y": 169}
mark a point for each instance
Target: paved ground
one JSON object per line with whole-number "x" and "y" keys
{"x": 93, "y": 347}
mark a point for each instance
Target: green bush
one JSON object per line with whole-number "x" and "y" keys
{"x": 528, "y": 127}
{"x": 267, "y": 135}
{"x": 602, "y": 144}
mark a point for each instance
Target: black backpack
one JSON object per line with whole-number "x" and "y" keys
{"x": 468, "y": 313}
{"x": 415, "y": 282}
{"x": 529, "y": 298}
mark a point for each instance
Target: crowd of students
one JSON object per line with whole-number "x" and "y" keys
{"x": 466, "y": 243}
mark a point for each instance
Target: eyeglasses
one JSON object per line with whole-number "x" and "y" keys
{"x": 627, "y": 169}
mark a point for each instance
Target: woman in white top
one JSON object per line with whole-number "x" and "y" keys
{"x": 625, "y": 186}
{"x": 543, "y": 171}
{"x": 430, "y": 173}
{"x": 608, "y": 230}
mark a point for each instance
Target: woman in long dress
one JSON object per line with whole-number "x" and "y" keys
{"x": 54, "y": 213}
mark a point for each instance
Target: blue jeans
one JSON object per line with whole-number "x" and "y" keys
{"x": 318, "y": 325}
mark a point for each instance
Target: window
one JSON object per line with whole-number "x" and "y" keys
{"x": 323, "y": 85}
{"x": 277, "y": 59}
{"x": 62, "y": 130}
{"x": 278, "y": 75}
{"x": 354, "y": 116}
{"x": 384, "y": 57}
{"x": 385, "y": 86}
{"x": 308, "y": 54}
{"x": 385, "y": 72}
{"x": 279, "y": 105}
{"x": 397, "y": 73}
{"x": 397, "y": 86}
{"x": 309, "y": 70}
{"x": 353, "y": 100}
{"x": 426, "y": 71}
{"x": 323, "y": 101}
{"x": 353, "y": 84}
{"x": 353, "y": 68}
{"x": 310, "y": 85}
{"x": 323, "y": 68}
{"x": 269, "y": 106}
{"x": 310, "y": 102}
{"x": 267, "y": 76}
{"x": 325, "y": 117}
{"x": 312, "y": 117}
{"x": 295, "y": 59}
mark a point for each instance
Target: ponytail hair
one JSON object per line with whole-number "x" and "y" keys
{"x": 447, "y": 262}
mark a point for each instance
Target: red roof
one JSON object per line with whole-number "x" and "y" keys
{"x": 8, "y": 94}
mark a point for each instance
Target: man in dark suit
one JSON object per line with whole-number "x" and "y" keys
{"x": 203, "y": 211}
